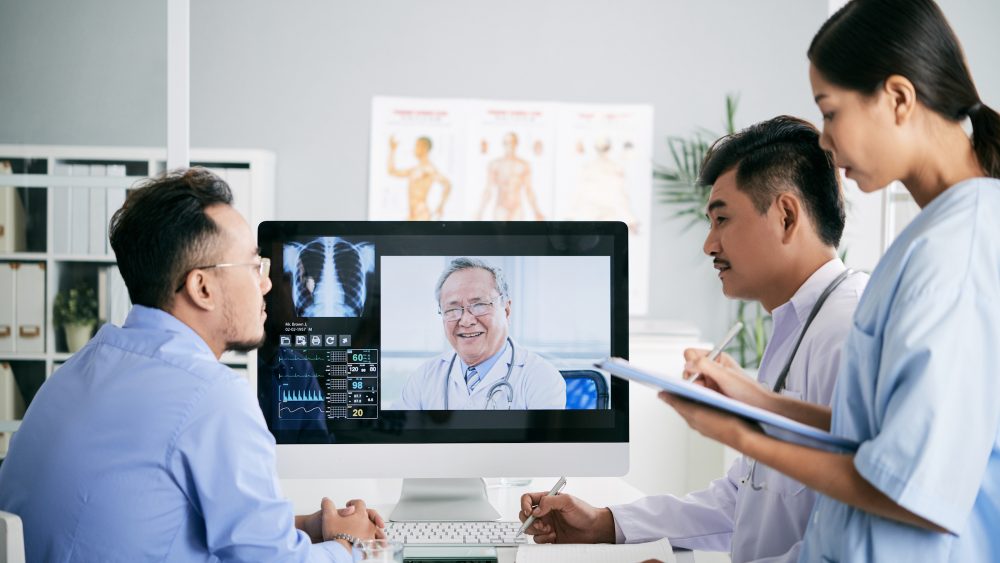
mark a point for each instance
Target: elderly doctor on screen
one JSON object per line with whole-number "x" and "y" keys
{"x": 486, "y": 369}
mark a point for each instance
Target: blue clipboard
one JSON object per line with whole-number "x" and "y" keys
{"x": 774, "y": 425}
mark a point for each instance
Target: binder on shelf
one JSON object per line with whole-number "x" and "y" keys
{"x": 102, "y": 296}
{"x": 61, "y": 213}
{"x": 29, "y": 307}
{"x": 7, "y": 322}
{"x": 11, "y": 403}
{"x": 79, "y": 212}
{"x": 115, "y": 200}
{"x": 13, "y": 229}
{"x": 98, "y": 208}
{"x": 117, "y": 295}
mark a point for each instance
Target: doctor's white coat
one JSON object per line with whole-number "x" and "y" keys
{"x": 537, "y": 384}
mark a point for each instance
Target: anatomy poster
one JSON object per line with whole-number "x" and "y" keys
{"x": 416, "y": 157}
{"x": 495, "y": 160}
{"x": 604, "y": 160}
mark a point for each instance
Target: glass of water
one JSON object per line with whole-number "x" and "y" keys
{"x": 378, "y": 551}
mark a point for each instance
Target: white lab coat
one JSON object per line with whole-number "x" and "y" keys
{"x": 766, "y": 524}
{"x": 537, "y": 384}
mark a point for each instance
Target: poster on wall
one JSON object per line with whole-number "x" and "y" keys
{"x": 415, "y": 160}
{"x": 604, "y": 157}
{"x": 497, "y": 160}
{"x": 508, "y": 154}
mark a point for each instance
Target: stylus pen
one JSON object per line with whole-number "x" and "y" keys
{"x": 555, "y": 491}
{"x": 717, "y": 351}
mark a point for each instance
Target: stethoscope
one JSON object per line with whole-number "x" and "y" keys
{"x": 494, "y": 389}
{"x": 780, "y": 383}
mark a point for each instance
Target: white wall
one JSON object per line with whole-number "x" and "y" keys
{"x": 297, "y": 76}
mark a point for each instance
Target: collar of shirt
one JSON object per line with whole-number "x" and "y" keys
{"x": 789, "y": 317}
{"x": 151, "y": 319}
{"x": 484, "y": 367}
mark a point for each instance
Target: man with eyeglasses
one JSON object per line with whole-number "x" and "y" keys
{"x": 142, "y": 446}
{"x": 486, "y": 368}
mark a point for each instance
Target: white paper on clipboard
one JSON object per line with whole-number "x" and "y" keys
{"x": 774, "y": 425}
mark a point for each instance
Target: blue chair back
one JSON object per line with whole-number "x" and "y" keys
{"x": 585, "y": 389}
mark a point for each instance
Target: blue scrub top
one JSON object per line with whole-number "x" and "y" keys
{"x": 920, "y": 388}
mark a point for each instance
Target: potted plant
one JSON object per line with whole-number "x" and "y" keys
{"x": 76, "y": 311}
{"x": 678, "y": 186}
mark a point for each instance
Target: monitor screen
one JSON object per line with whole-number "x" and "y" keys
{"x": 444, "y": 333}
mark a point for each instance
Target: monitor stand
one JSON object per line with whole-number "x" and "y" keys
{"x": 444, "y": 500}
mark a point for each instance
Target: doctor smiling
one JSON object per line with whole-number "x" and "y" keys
{"x": 485, "y": 369}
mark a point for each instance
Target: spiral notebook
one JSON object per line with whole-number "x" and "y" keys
{"x": 772, "y": 424}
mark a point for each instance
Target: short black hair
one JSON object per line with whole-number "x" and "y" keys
{"x": 777, "y": 156}
{"x": 162, "y": 232}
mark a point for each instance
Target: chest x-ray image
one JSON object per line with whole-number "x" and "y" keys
{"x": 329, "y": 276}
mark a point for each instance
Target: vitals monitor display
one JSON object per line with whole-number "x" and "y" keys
{"x": 404, "y": 332}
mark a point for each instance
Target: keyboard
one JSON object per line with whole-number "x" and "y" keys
{"x": 457, "y": 533}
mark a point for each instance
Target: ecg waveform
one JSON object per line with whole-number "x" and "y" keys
{"x": 295, "y": 396}
{"x": 300, "y": 409}
{"x": 303, "y": 356}
{"x": 296, "y": 375}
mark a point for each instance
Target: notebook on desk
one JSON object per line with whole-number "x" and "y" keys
{"x": 596, "y": 553}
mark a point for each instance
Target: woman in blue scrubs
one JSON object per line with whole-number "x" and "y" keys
{"x": 920, "y": 384}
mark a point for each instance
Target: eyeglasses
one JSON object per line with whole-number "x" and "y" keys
{"x": 263, "y": 269}
{"x": 475, "y": 309}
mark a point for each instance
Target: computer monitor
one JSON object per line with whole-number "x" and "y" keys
{"x": 363, "y": 372}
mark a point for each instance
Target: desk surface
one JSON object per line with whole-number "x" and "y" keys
{"x": 382, "y": 494}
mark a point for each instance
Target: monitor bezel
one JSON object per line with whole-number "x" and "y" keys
{"x": 472, "y": 427}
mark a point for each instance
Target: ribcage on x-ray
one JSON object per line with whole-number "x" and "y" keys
{"x": 329, "y": 276}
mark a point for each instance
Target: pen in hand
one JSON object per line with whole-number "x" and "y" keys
{"x": 556, "y": 489}
{"x": 717, "y": 351}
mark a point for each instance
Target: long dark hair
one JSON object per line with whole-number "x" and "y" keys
{"x": 867, "y": 41}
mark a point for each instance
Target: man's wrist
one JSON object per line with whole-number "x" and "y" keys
{"x": 346, "y": 540}
{"x": 605, "y": 526}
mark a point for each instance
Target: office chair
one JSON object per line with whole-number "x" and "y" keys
{"x": 585, "y": 389}
{"x": 11, "y": 538}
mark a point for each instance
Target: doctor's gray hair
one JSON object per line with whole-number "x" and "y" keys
{"x": 464, "y": 263}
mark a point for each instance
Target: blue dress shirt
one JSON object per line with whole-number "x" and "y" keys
{"x": 920, "y": 391}
{"x": 483, "y": 368}
{"x": 143, "y": 447}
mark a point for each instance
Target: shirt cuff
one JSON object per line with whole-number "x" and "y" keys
{"x": 336, "y": 551}
{"x": 619, "y": 534}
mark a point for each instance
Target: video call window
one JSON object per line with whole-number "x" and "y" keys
{"x": 558, "y": 322}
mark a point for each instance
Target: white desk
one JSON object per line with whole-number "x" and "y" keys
{"x": 382, "y": 494}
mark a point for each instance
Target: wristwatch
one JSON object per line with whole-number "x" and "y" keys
{"x": 346, "y": 537}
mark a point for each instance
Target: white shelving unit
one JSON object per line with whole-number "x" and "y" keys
{"x": 45, "y": 178}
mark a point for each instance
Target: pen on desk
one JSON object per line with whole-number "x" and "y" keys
{"x": 717, "y": 351}
{"x": 554, "y": 491}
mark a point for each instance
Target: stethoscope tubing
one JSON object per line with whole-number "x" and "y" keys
{"x": 505, "y": 382}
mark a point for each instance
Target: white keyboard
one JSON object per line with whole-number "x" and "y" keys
{"x": 452, "y": 533}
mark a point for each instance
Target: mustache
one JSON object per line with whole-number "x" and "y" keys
{"x": 720, "y": 262}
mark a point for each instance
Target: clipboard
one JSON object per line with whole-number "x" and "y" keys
{"x": 774, "y": 425}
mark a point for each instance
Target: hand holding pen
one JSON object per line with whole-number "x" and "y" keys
{"x": 556, "y": 489}
{"x": 717, "y": 351}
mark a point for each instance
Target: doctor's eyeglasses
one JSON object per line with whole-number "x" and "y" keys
{"x": 475, "y": 309}
{"x": 263, "y": 269}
